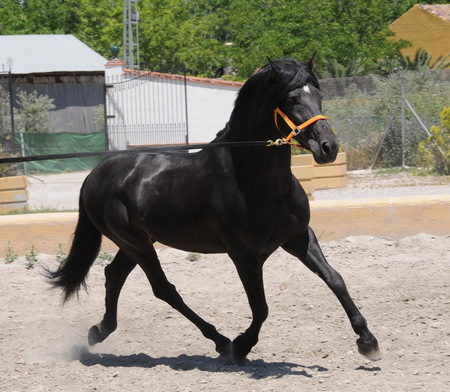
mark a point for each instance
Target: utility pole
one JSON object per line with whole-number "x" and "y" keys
{"x": 131, "y": 33}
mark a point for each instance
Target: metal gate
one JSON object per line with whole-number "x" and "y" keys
{"x": 146, "y": 108}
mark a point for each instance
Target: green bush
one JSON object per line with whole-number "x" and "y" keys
{"x": 435, "y": 150}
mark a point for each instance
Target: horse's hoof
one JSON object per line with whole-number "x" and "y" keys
{"x": 94, "y": 336}
{"x": 223, "y": 348}
{"x": 230, "y": 355}
{"x": 373, "y": 355}
{"x": 237, "y": 357}
{"x": 370, "y": 351}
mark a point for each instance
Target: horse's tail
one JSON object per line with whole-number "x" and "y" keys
{"x": 72, "y": 272}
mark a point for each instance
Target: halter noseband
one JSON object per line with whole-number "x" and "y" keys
{"x": 295, "y": 129}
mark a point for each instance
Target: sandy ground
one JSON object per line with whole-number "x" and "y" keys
{"x": 402, "y": 288}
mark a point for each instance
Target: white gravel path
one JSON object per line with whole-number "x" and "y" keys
{"x": 60, "y": 191}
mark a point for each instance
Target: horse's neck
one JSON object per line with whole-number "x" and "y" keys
{"x": 248, "y": 124}
{"x": 260, "y": 165}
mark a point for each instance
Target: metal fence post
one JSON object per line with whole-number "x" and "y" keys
{"x": 11, "y": 104}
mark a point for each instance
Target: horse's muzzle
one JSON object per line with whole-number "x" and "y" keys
{"x": 328, "y": 152}
{"x": 325, "y": 145}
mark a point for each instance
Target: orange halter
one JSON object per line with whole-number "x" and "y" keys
{"x": 295, "y": 129}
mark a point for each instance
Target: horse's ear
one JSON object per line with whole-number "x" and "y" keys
{"x": 273, "y": 67}
{"x": 312, "y": 61}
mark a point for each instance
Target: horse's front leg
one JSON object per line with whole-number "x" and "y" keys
{"x": 251, "y": 274}
{"x": 307, "y": 249}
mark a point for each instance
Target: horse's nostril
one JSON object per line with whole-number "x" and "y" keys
{"x": 326, "y": 148}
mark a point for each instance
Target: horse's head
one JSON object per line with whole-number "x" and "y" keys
{"x": 298, "y": 114}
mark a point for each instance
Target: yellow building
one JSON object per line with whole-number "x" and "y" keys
{"x": 426, "y": 27}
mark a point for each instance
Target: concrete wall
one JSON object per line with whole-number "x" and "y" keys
{"x": 313, "y": 176}
{"x": 385, "y": 217}
{"x": 13, "y": 194}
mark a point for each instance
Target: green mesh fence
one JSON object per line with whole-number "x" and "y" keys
{"x": 61, "y": 143}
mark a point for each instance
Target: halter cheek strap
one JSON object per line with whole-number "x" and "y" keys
{"x": 295, "y": 129}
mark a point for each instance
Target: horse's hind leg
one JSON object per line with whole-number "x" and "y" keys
{"x": 164, "y": 290}
{"x": 307, "y": 249}
{"x": 251, "y": 275}
{"x": 115, "y": 273}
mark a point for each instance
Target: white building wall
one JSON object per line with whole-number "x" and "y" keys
{"x": 209, "y": 109}
{"x": 137, "y": 122}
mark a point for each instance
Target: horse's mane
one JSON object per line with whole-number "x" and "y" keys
{"x": 223, "y": 131}
{"x": 269, "y": 85}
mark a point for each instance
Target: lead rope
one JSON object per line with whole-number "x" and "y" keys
{"x": 269, "y": 143}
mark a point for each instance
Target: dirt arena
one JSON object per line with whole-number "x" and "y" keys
{"x": 402, "y": 288}
{"x": 307, "y": 344}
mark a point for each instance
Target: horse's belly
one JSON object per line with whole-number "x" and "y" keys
{"x": 192, "y": 245}
{"x": 200, "y": 239}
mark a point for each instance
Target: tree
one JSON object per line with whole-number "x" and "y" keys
{"x": 39, "y": 17}
{"x": 32, "y": 116}
{"x": 344, "y": 33}
{"x": 100, "y": 24}
{"x": 176, "y": 31}
{"x": 423, "y": 59}
{"x": 347, "y": 35}
{"x": 5, "y": 114}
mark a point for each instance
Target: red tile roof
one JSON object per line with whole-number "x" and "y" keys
{"x": 441, "y": 10}
{"x": 192, "y": 79}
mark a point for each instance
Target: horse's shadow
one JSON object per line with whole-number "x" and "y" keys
{"x": 257, "y": 369}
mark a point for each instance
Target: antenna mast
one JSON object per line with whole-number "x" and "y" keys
{"x": 131, "y": 33}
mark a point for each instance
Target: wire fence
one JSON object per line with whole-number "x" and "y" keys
{"x": 382, "y": 123}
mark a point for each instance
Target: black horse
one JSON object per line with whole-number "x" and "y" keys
{"x": 243, "y": 201}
